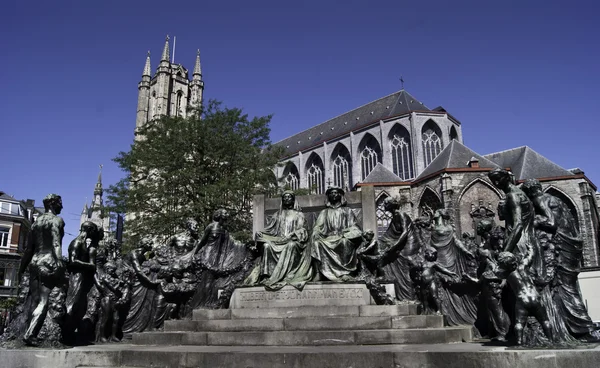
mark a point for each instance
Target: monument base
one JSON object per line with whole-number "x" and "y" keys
{"x": 364, "y": 356}
{"x": 312, "y": 295}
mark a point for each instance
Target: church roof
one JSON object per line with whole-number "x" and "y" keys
{"x": 454, "y": 156}
{"x": 526, "y": 163}
{"x": 380, "y": 174}
{"x": 398, "y": 103}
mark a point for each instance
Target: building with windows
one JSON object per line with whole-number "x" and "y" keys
{"x": 403, "y": 148}
{"x": 169, "y": 91}
{"x": 15, "y": 222}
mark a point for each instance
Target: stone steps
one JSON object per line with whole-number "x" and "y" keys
{"x": 306, "y": 324}
{"x": 308, "y": 311}
{"x": 307, "y": 338}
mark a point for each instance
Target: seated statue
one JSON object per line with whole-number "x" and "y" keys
{"x": 335, "y": 239}
{"x": 283, "y": 245}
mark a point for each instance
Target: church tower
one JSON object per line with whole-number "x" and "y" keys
{"x": 169, "y": 92}
{"x": 96, "y": 213}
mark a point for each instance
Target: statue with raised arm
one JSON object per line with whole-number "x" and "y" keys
{"x": 43, "y": 258}
{"x": 557, "y": 229}
{"x": 517, "y": 210}
{"x": 427, "y": 273}
{"x": 335, "y": 239}
{"x": 283, "y": 245}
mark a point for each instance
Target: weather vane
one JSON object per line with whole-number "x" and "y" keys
{"x": 402, "y": 81}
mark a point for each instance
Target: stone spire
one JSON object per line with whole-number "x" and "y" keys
{"x": 147, "y": 70}
{"x": 165, "y": 54}
{"x": 98, "y": 189}
{"x": 197, "y": 67}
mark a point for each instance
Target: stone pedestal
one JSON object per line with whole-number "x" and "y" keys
{"x": 313, "y": 295}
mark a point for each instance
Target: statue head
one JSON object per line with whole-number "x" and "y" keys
{"x": 430, "y": 255}
{"x": 145, "y": 245}
{"x": 335, "y": 195}
{"x": 500, "y": 178}
{"x": 110, "y": 268}
{"x": 288, "y": 200}
{"x": 501, "y": 209}
{"x": 391, "y": 203}
{"x": 484, "y": 227}
{"x": 442, "y": 213}
{"x": 191, "y": 225}
{"x": 508, "y": 261}
{"x": 532, "y": 188}
{"x": 53, "y": 203}
{"x": 497, "y": 238}
{"x": 220, "y": 215}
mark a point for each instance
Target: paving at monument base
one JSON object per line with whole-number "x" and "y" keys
{"x": 324, "y": 325}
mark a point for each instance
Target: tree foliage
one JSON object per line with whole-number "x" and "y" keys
{"x": 180, "y": 168}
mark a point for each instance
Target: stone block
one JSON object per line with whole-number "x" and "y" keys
{"x": 421, "y": 321}
{"x": 317, "y": 294}
{"x": 157, "y": 338}
{"x": 201, "y": 314}
{"x": 262, "y": 324}
{"x": 282, "y": 338}
{"x": 388, "y": 310}
{"x": 407, "y": 336}
{"x": 295, "y": 312}
{"x": 337, "y": 323}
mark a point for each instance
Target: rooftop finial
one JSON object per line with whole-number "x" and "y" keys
{"x": 402, "y": 82}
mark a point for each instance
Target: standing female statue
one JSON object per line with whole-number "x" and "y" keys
{"x": 452, "y": 255}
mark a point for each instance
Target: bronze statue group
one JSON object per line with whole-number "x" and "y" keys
{"x": 518, "y": 285}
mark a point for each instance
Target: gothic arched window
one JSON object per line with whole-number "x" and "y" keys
{"x": 432, "y": 141}
{"x": 383, "y": 217}
{"x": 315, "y": 174}
{"x": 341, "y": 165}
{"x": 178, "y": 104}
{"x": 370, "y": 155}
{"x": 153, "y": 105}
{"x": 453, "y": 134}
{"x": 402, "y": 163}
{"x": 291, "y": 177}
{"x": 429, "y": 201}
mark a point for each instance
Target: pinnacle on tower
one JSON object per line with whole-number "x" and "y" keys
{"x": 147, "y": 70}
{"x": 165, "y": 54}
{"x": 197, "y": 68}
{"x": 98, "y": 189}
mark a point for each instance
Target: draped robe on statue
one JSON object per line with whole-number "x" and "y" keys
{"x": 401, "y": 239}
{"x": 219, "y": 261}
{"x": 335, "y": 238}
{"x": 285, "y": 257}
{"x": 458, "y": 309}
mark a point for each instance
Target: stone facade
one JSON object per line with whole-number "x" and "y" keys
{"x": 16, "y": 218}
{"x": 364, "y": 148}
{"x": 169, "y": 92}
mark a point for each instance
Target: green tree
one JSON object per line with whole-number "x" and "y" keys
{"x": 180, "y": 168}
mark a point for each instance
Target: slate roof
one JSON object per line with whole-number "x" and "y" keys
{"x": 6, "y": 196}
{"x": 398, "y": 103}
{"x": 456, "y": 155}
{"x": 526, "y": 163}
{"x": 380, "y": 174}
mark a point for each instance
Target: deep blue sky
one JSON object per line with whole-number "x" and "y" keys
{"x": 513, "y": 72}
